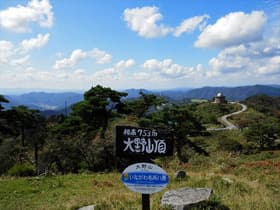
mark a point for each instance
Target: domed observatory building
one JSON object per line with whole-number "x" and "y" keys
{"x": 220, "y": 99}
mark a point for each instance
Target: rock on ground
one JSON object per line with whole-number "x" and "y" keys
{"x": 180, "y": 175}
{"x": 91, "y": 207}
{"x": 185, "y": 197}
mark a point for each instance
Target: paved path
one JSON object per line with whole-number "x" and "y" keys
{"x": 228, "y": 125}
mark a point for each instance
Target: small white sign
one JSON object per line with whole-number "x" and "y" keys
{"x": 144, "y": 178}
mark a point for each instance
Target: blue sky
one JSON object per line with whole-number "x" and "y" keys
{"x": 155, "y": 44}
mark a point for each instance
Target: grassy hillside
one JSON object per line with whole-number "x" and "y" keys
{"x": 238, "y": 182}
{"x": 241, "y": 166}
{"x": 208, "y": 113}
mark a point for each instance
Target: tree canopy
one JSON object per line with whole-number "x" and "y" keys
{"x": 84, "y": 140}
{"x": 145, "y": 103}
{"x": 3, "y": 100}
{"x": 263, "y": 132}
{"x": 265, "y": 104}
{"x": 180, "y": 121}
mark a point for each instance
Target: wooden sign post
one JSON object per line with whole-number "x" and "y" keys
{"x": 143, "y": 143}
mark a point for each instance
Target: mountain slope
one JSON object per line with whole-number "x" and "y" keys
{"x": 233, "y": 93}
{"x": 57, "y": 101}
{"x": 44, "y": 101}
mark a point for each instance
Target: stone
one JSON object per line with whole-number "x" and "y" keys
{"x": 180, "y": 175}
{"x": 90, "y": 207}
{"x": 184, "y": 198}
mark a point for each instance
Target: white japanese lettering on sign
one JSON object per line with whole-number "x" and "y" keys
{"x": 139, "y": 132}
{"x": 145, "y": 145}
{"x": 144, "y": 166}
{"x": 143, "y": 141}
{"x": 145, "y": 178}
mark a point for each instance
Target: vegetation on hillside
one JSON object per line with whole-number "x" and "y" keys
{"x": 239, "y": 183}
{"x": 83, "y": 142}
{"x": 265, "y": 104}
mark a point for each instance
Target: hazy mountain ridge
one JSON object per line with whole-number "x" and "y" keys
{"x": 44, "y": 101}
{"x": 134, "y": 93}
{"x": 233, "y": 93}
{"x": 58, "y": 101}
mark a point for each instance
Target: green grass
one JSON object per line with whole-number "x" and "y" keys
{"x": 255, "y": 185}
{"x": 60, "y": 192}
{"x": 208, "y": 113}
{"x": 199, "y": 100}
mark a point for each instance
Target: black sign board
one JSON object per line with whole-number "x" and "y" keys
{"x": 134, "y": 141}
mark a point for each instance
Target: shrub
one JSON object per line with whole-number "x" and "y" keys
{"x": 249, "y": 148}
{"x": 8, "y": 153}
{"x": 187, "y": 153}
{"x": 198, "y": 160}
{"x": 21, "y": 170}
{"x": 229, "y": 145}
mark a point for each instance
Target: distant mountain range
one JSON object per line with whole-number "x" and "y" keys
{"x": 44, "y": 101}
{"x": 233, "y": 93}
{"x": 56, "y": 102}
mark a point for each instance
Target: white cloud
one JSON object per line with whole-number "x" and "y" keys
{"x": 144, "y": 22}
{"x": 20, "y": 61}
{"x": 254, "y": 61}
{"x": 189, "y": 25}
{"x": 77, "y": 55}
{"x": 17, "y": 55}
{"x": 275, "y": 60}
{"x": 143, "y": 76}
{"x": 125, "y": 64}
{"x": 233, "y": 29}
{"x": 19, "y": 18}
{"x": 29, "y": 44}
{"x": 101, "y": 56}
{"x": 78, "y": 78}
{"x": 110, "y": 73}
{"x": 262, "y": 58}
{"x": 6, "y": 51}
{"x": 116, "y": 72}
{"x": 270, "y": 66}
{"x": 166, "y": 68}
{"x": 79, "y": 72}
{"x": 231, "y": 59}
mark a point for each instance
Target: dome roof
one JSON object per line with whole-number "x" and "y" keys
{"x": 220, "y": 94}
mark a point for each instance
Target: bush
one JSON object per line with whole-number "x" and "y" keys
{"x": 249, "y": 148}
{"x": 8, "y": 153}
{"x": 229, "y": 145}
{"x": 199, "y": 160}
{"x": 21, "y": 170}
{"x": 186, "y": 153}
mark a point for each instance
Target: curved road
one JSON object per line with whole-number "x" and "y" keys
{"x": 228, "y": 125}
